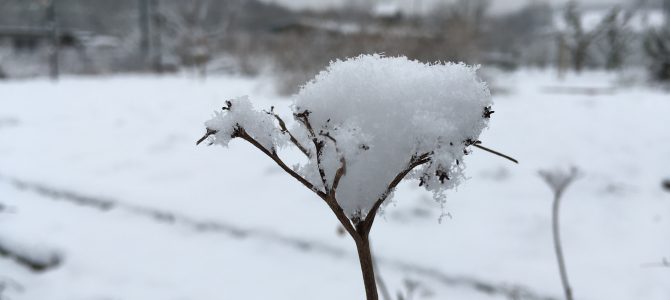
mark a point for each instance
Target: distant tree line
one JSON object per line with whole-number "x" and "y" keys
{"x": 248, "y": 36}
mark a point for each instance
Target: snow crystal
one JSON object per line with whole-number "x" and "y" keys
{"x": 382, "y": 111}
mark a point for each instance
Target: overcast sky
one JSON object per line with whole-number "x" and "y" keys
{"x": 498, "y": 5}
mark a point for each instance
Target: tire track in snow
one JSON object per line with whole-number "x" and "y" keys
{"x": 166, "y": 217}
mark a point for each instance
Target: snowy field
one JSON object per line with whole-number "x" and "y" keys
{"x": 102, "y": 177}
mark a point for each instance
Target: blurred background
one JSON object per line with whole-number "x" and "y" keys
{"x": 103, "y": 194}
{"x": 293, "y": 40}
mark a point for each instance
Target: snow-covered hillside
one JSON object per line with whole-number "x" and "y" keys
{"x": 102, "y": 177}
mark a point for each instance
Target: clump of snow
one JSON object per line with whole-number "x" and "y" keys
{"x": 379, "y": 115}
{"x": 383, "y": 111}
{"x": 240, "y": 114}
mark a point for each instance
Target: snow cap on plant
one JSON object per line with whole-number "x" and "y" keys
{"x": 389, "y": 109}
{"x": 239, "y": 114}
{"x": 375, "y": 116}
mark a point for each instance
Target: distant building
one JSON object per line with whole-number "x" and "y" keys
{"x": 31, "y": 39}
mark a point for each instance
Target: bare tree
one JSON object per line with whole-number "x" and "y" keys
{"x": 195, "y": 28}
{"x": 575, "y": 38}
{"x": 192, "y": 39}
{"x": 617, "y": 36}
{"x": 559, "y": 181}
{"x": 462, "y": 25}
{"x": 518, "y": 36}
{"x": 657, "y": 48}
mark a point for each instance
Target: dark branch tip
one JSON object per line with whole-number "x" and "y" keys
{"x": 229, "y": 105}
{"x": 207, "y": 134}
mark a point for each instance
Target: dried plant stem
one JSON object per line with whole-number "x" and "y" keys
{"x": 367, "y": 266}
{"x": 558, "y": 247}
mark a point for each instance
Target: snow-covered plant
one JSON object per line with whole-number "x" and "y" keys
{"x": 559, "y": 180}
{"x": 364, "y": 125}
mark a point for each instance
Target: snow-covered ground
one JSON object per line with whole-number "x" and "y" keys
{"x": 103, "y": 175}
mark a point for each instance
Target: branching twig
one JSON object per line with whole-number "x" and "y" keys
{"x": 284, "y": 129}
{"x": 330, "y": 201}
{"x": 339, "y": 213}
{"x": 415, "y": 161}
{"x": 241, "y": 133}
{"x": 207, "y": 134}
{"x": 318, "y": 146}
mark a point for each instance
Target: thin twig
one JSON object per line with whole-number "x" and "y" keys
{"x": 284, "y": 129}
{"x": 338, "y": 175}
{"x": 342, "y": 170}
{"x": 318, "y": 146}
{"x": 331, "y": 202}
{"x": 207, "y": 134}
{"x": 495, "y": 152}
{"x": 339, "y": 212}
{"x": 241, "y": 133}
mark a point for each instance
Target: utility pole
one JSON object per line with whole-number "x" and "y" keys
{"x": 52, "y": 26}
